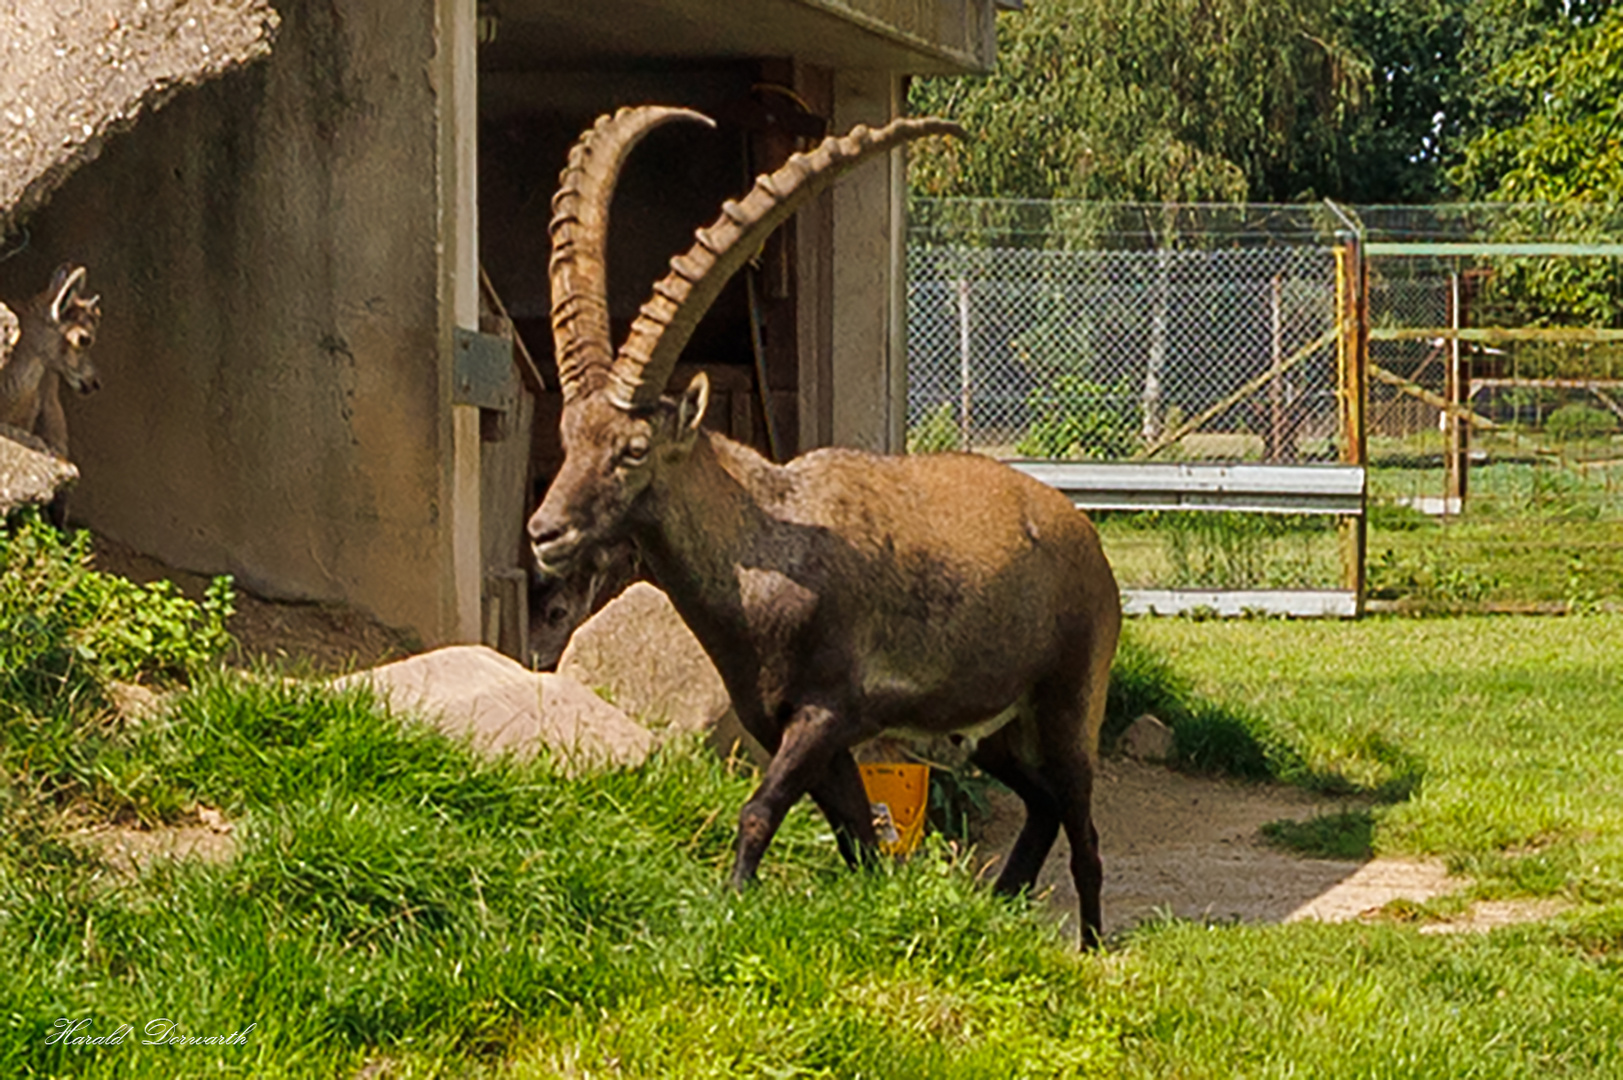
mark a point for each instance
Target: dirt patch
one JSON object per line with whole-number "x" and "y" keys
{"x": 1485, "y": 915}
{"x": 128, "y": 850}
{"x": 1190, "y": 847}
{"x": 322, "y": 639}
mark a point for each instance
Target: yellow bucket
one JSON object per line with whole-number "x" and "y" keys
{"x": 898, "y": 793}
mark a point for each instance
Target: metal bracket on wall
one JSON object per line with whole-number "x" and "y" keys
{"x": 483, "y": 372}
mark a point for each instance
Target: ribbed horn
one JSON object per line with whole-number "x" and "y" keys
{"x": 580, "y": 230}
{"x": 667, "y": 320}
{"x": 72, "y": 281}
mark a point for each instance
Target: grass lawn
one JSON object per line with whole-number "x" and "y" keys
{"x": 399, "y": 907}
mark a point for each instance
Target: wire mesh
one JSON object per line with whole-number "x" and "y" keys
{"x": 1496, "y": 408}
{"x": 1113, "y": 333}
{"x": 1202, "y": 336}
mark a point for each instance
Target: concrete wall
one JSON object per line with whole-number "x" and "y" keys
{"x": 283, "y": 256}
{"x": 265, "y": 249}
{"x": 867, "y": 267}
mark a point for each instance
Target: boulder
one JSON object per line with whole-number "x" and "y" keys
{"x": 29, "y": 472}
{"x": 1148, "y": 739}
{"x": 639, "y": 654}
{"x": 471, "y": 690}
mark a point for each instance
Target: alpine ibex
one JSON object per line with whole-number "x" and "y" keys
{"x": 843, "y": 594}
{"x": 55, "y": 332}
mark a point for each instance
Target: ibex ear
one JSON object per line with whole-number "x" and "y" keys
{"x": 66, "y": 291}
{"x": 690, "y": 410}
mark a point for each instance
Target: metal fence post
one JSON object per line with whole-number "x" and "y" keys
{"x": 965, "y": 380}
{"x": 1276, "y": 386}
{"x": 1456, "y": 450}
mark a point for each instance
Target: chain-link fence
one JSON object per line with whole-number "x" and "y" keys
{"x": 1493, "y": 421}
{"x": 1120, "y": 333}
{"x": 1204, "y": 333}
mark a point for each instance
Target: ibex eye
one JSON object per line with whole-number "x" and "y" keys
{"x": 635, "y": 450}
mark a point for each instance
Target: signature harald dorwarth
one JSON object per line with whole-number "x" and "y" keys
{"x": 160, "y": 1032}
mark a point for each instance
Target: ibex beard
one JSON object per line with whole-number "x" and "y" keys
{"x": 842, "y": 594}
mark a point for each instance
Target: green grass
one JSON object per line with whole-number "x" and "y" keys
{"x": 1502, "y": 732}
{"x": 1347, "y": 834}
{"x": 398, "y": 904}
{"x": 397, "y": 900}
{"x": 1536, "y": 534}
{"x": 395, "y": 895}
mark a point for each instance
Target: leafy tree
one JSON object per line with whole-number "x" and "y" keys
{"x": 1396, "y": 146}
{"x": 1150, "y": 101}
{"x": 1565, "y": 141}
{"x": 1367, "y": 101}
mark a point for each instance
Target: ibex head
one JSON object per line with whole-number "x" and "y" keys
{"x": 618, "y": 433}
{"x": 73, "y": 320}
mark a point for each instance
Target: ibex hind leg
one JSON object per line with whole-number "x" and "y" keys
{"x": 996, "y": 755}
{"x": 1047, "y": 760}
{"x": 1071, "y": 709}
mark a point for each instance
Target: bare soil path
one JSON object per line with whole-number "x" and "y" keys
{"x": 1190, "y": 846}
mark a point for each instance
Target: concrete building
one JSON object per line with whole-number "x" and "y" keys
{"x": 289, "y": 262}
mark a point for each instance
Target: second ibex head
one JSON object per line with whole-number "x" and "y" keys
{"x": 73, "y": 320}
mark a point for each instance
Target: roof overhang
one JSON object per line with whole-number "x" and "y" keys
{"x": 904, "y": 36}
{"x": 71, "y": 75}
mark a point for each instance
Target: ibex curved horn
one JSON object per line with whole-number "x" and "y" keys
{"x": 580, "y": 230}
{"x": 667, "y": 320}
{"x": 71, "y": 283}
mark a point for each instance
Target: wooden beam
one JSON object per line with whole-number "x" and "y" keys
{"x": 1251, "y": 386}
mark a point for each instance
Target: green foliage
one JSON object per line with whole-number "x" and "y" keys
{"x": 1075, "y": 417}
{"x": 938, "y": 431}
{"x": 1394, "y": 148}
{"x": 1240, "y": 551}
{"x": 66, "y": 630}
{"x": 1366, "y": 101}
{"x": 1150, "y": 101}
{"x": 1431, "y": 578}
{"x": 1564, "y": 144}
{"x": 1578, "y": 422}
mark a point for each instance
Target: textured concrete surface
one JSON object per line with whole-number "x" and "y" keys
{"x": 71, "y": 75}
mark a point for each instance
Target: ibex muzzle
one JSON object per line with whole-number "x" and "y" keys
{"x": 843, "y": 594}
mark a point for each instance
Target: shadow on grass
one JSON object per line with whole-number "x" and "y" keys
{"x": 1346, "y": 835}
{"x": 1212, "y": 737}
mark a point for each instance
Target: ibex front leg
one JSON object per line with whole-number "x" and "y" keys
{"x": 813, "y": 756}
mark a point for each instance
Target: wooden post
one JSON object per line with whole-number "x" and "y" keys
{"x": 965, "y": 383}
{"x": 1352, "y": 355}
{"x": 1457, "y": 389}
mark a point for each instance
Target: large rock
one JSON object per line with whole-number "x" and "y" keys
{"x": 73, "y": 75}
{"x": 1148, "y": 739}
{"x": 641, "y": 656}
{"x": 29, "y": 472}
{"x": 505, "y": 707}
